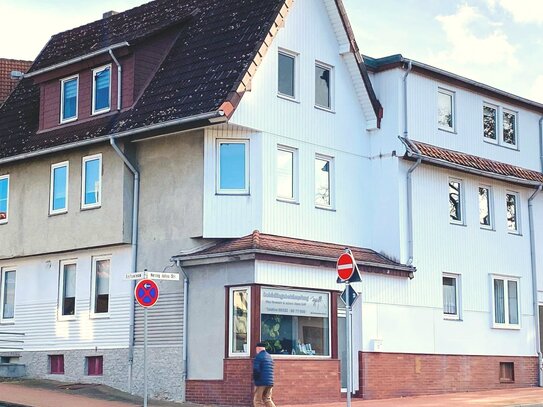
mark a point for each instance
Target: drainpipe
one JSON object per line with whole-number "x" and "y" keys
{"x": 534, "y": 284}
{"x": 185, "y": 313}
{"x": 407, "y": 72}
{"x": 410, "y": 210}
{"x": 541, "y": 142}
{"x": 119, "y": 79}
{"x": 135, "y": 214}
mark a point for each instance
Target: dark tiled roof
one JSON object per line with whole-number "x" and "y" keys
{"x": 6, "y": 83}
{"x": 515, "y": 174}
{"x": 218, "y": 41}
{"x": 260, "y": 242}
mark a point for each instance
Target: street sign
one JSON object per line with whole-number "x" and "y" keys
{"x": 133, "y": 276}
{"x": 345, "y": 266}
{"x": 162, "y": 276}
{"x": 146, "y": 293}
{"x": 353, "y": 295}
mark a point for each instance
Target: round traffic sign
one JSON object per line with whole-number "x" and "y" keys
{"x": 345, "y": 266}
{"x": 146, "y": 293}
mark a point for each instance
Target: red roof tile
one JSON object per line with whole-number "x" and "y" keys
{"x": 6, "y": 83}
{"x": 367, "y": 259}
{"x": 416, "y": 149}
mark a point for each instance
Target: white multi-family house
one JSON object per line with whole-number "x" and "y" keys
{"x": 242, "y": 145}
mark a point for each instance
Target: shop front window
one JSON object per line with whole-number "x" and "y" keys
{"x": 295, "y": 322}
{"x": 240, "y": 323}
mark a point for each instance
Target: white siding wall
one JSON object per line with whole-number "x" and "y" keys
{"x": 36, "y": 302}
{"x": 422, "y": 107}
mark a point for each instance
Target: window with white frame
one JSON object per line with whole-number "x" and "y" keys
{"x": 4, "y": 198}
{"x": 59, "y": 188}
{"x": 505, "y": 294}
{"x": 445, "y": 109}
{"x": 286, "y": 173}
{"x": 91, "y": 194}
{"x": 233, "y": 166}
{"x": 101, "y": 89}
{"x": 485, "y": 207}
{"x": 240, "y": 321}
{"x": 101, "y": 277}
{"x": 451, "y": 296}
{"x": 511, "y": 202}
{"x": 456, "y": 206}
{"x": 295, "y": 322}
{"x": 67, "y": 288}
{"x": 323, "y": 86}
{"x": 499, "y": 125}
{"x": 287, "y": 74}
{"x": 68, "y": 99}
{"x": 7, "y": 294}
{"x": 323, "y": 181}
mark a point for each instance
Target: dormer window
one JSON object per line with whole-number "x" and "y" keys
{"x": 101, "y": 89}
{"x": 68, "y": 99}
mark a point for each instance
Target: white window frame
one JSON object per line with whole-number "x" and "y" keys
{"x": 2, "y": 294}
{"x": 83, "y": 181}
{"x": 93, "y": 314}
{"x": 60, "y": 316}
{"x": 51, "y": 191}
{"x": 62, "y": 82}
{"x": 458, "y": 315}
{"x": 94, "y": 72}
{"x": 3, "y": 221}
{"x": 462, "y": 221}
{"x": 231, "y": 321}
{"x": 243, "y": 191}
{"x": 500, "y": 110}
{"x": 332, "y": 171}
{"x": 497, "y": 126}
{"x": 296, "y": 57}
{"x": 490, "y": 206}
{"x": 452, "y": 94}
{"x": 324, "y": 65}
{"x": 295, "y": 183}
{"x": 517, "y": 212}
{"x": 505, "y": 279}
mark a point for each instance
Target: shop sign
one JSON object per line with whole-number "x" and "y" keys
{"x": 294, "y": 302}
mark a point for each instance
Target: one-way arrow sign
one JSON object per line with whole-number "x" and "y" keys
{"x": 353, "y": 295}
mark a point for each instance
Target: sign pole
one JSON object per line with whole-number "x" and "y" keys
{"x": 145, "y": 357}
{"x": 349, "y": 355}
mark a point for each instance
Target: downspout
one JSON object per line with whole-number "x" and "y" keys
{"x": 119, "y": 79}
{"x": 185, "y": 346}
{"x": 135, "y": 214}
{"x": 541, "y": 142}
{"x": 534, "y": 285}
{"x": 407, "y": 72}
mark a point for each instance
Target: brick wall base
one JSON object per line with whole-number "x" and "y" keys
{"x": 297, "y": 381}
{"x": 386, "y": 375}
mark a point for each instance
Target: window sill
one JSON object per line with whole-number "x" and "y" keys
{"x": 325, "y": 109}
{"x": 67, "y": 318}
{"x": 502, "y": 145}
{"x": 507, "y": 327}
{"x": 3, "y": 222}
{"x": 301, "y": 357}
{"x": 90, "y": 207}
{"x": 325, "y": 208}
{"x": 487, "y": 228}
{"x": 7, "y": 322}
{"x": 232, "y": 194}
{"x": 102, "y": 111}
{"x": 457, "y": 223}
{"x": 288, "y": 201}
{"x": 68, "y": 121}
{"x": 99, "y": 316}
{"x": 446, "y": 130}
{"x": 452, "y": 318}
{"x": 289, "y": 98}
{"x": 514, "y": 233}
{"x": 63, "y": 212}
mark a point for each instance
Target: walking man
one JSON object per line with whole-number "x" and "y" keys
{"x": 263, "y": 377}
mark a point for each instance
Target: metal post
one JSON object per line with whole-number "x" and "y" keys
{"x": 349, "y": 356}
{"x": 145, "y": 357}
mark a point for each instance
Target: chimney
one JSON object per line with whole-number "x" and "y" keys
{"x": 109, "y": 14}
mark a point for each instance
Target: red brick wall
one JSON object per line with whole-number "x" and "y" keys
{"x": 385, "y": 375}
{"x": 297, "y": 381}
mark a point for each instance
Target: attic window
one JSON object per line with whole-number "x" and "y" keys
{"x": 68, "y": 99}
{"x": 101, "y": 89}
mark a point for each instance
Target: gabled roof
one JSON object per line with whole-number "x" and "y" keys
{"x": 279, "y": 246}
{"x": 399, "y": 61}
{"x": 218, "y": 48}
{"x": 6, "y": 83}
{"x": 471, "y": 163}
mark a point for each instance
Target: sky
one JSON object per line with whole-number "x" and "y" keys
{"x": 496, "y": 42}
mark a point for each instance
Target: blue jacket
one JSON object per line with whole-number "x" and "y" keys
{"x": 263, "y": 369}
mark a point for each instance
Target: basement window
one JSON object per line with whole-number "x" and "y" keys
{"x": 95, "y": 365}
{"x": 507, "y": 372}
{"x": 56, "y": 364}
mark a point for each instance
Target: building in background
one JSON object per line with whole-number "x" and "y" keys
{"x": 7, "y": 79}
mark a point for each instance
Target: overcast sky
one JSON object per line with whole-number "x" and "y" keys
{"x": 497, "y": 42}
